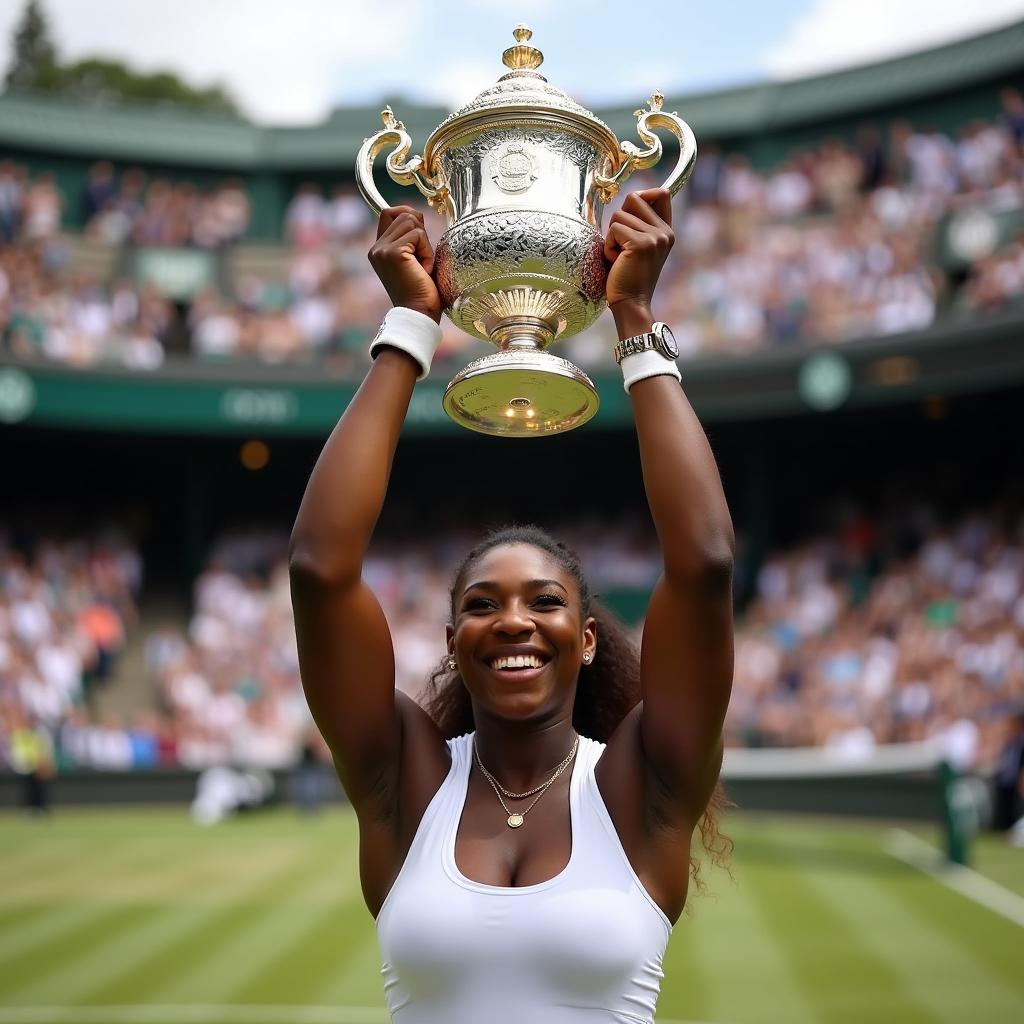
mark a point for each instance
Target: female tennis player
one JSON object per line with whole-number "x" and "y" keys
{"x": 525, "y": 837}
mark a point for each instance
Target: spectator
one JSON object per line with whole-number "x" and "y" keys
{"x": 99, "y": 189}
{"x": 1012, "y": 117}
{"x": 12, "y": 193}
{"x": 306, "y": 220}
{"x": 42, "y": 210}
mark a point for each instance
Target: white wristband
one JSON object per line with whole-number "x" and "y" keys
{"x": 412, "y": 332}
{"x": 641, "y": 365}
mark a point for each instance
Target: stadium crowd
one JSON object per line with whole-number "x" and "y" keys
{"x": 995, "y": 281}
{"x": 882, "y": 630}
{"x": 64, "y": 615}
{"x": 50, "y": 313}
{"x": 931, "y": 647}
{"x": 124, "y": 209}
{"x": 836, "y": 242}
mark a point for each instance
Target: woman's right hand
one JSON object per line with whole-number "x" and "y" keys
{"x": 404, "y": 261}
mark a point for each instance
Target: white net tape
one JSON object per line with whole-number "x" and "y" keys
{"x": 818, "y": 762}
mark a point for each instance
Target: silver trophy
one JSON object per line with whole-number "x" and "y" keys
{"x": 523, "y": 174}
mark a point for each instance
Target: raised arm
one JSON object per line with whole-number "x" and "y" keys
{"x": 345, "y": 651}
{"x": 687, "y": 649}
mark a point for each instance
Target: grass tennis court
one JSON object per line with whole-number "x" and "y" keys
{"x": 139, "y": 916}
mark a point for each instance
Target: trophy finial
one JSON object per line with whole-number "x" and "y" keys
{"x": 522, "y": 56}
{"x": 387, "y": 115}
{"x": 654, "y": 104}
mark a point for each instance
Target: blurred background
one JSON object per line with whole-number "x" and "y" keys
{"x": 185, "y": 309}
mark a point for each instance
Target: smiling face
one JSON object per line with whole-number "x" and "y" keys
{"x": 519, "y": 634}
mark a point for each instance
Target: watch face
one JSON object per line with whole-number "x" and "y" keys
{"x": 667, "y": 342}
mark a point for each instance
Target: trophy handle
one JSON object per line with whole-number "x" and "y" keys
{"x": 402, "y": 170}
{"x": 637, "y": 159}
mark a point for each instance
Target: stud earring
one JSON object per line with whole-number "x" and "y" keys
{"x": 451, "y": 663}
{"x": 586, "y": 658}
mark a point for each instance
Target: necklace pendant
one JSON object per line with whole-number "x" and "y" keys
{"x": 515, "y": 820}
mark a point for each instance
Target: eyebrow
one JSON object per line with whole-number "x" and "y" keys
{"x": 491, "y": 585}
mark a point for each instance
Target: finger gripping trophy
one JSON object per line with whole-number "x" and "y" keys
{"x": 523, "y": 174}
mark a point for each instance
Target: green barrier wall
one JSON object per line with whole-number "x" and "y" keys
{"x": 189, "y": 398}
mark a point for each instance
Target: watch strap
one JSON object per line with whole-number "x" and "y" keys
{"x": 635, "y": 345}
{"x": 658, "y": 339}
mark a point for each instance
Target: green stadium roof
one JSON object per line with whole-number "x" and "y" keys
{"x": 173, "y": 136}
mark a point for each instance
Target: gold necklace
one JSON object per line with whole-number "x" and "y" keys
{"x": 515, "y": 819}
{"x": 536, "y": 789}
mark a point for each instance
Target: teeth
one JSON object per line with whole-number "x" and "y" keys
{"x": 517, "y": 661}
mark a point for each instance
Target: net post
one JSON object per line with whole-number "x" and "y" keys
{"x": 959, "y": 814}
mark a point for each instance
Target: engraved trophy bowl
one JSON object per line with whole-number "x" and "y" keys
{"x": 522, "y": 174}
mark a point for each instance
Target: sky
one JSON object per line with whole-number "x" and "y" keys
{"x": 291, "y": 63}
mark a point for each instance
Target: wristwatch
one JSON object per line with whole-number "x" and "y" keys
{"x": 659, "y": 339}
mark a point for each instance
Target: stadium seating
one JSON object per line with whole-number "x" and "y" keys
{"x": 841, "y": 240}
{"x": 845, "y": 645}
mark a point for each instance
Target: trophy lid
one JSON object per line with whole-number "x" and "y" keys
{"x": 520, "y": 96}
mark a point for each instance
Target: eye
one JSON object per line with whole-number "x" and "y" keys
{"x": 477, "y": 603}
{"x": 550, "y": 599}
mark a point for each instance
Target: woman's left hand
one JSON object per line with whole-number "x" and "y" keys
{"x": 637, "y": 244}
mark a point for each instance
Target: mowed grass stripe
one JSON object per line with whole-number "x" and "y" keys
{"x": 954, "y": 987}
{"x": 358, "y": 980}
{"x": 23, "y": 972}
{"x": 245, "y": 941}
{"x": 220, "y": 923}
{"x": 122, "y": 970}
{"x": 684, "y": 989}
{"x": 210, "y": 875}
{"x": 92, "y": 872}
{"x": 994, "y": 857}
{"x": 242, "y": 953}
{"x": 114, "y": 955}
{"x": 846, "y": 982}
{"x": 23, "y": 940}
{"x": 727, "y": 931}
{"x": 296, "y": 971}
{"x": 699, "y": 967}
{"x": 66, "y": 922}
{"x": 25, "y": 862}
{"x": 993, "y": 941}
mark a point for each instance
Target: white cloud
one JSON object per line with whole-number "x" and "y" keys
{"x": 456, "y": 84}
{"x": 283, "y": 62}
{"x": 838, "y": 33}
{"x": 290, "y": 63}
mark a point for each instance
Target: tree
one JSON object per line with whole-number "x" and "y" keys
{"x": 34, "y": 59}
{"x": 103, "y": 79}
{"x": 35, "y": 67}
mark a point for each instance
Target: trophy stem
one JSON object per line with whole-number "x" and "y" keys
{"x": 522, "y": 333}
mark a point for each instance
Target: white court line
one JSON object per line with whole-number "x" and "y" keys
{"x": 208, "y": 1013}
{"x": 921, "y": 855}
{"x": 196, "y": 1013}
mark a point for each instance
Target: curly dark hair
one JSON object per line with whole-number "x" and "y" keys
{"x": 613, "y": 680}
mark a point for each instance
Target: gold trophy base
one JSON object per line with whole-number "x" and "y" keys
{"x": 521, "y": 392}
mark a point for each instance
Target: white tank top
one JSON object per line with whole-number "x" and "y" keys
{"x": 583, "y": 947}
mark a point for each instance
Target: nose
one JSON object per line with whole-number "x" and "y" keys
{"x": 514, "y": 619}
